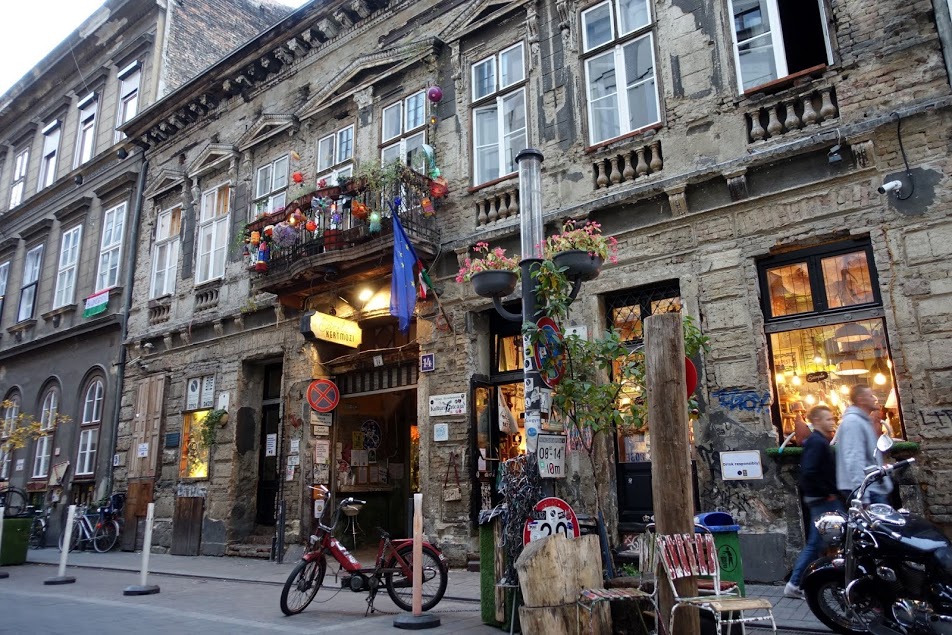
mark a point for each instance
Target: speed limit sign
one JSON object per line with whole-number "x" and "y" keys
{"x": 550, "y": 516}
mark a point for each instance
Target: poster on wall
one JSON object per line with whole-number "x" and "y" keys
{"x": 743, "y": 465}
{"x": 322, "y": 452}
{"x": 289, "y": 473}
{"x": 295, "y": 446}
{"x": 271, "y": 445}
{"x": 208, "y": 391}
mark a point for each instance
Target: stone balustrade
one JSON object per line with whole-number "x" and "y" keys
{"x": 160, "y": 313}
{"x": 206, "y": 299}
{"x": 792, "y": 113}
{"x": 498, "y": 205}
{"x": 627, "y": 165}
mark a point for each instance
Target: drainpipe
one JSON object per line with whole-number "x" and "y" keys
{"x": 126, "y": 305}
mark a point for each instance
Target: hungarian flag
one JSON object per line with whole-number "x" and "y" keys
{"x": 405, "y": 264}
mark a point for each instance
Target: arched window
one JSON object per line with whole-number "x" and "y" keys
{"x": 10, "y": 415}
{"x": 89, "y": 432}
{"x": 44, "y": 444}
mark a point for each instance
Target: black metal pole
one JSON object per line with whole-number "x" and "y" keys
{"x": 280, "y": 554}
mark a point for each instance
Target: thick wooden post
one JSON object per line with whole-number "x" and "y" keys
{"x": 671, "y": 485}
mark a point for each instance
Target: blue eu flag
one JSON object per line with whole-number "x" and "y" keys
{"x": 402, "y": 291}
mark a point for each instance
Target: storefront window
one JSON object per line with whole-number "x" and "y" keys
{"x": 839, "y": 338}
{"x": 194, "y": 463}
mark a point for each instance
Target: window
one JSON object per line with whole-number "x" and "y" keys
{"x": 86, "y": 460}
{"x": 213, "y": 233}
{"x": 776, "y": 38}
{"x": 403, "y": 129}
{"x": 271, "y": 187}
{"x": 5, "y": 463}
{"x": 499, "y": 114}
{"x": 41, "y": 460}
{"x": 20, "y": 164}
{"x": 165, "y": 254}
{"x": 128, "y": 97}
{"x": 66, "y": 276}
{"x": 194, "y": 463}
{"x": 822, "y": 309}
{"x": 86, "y": 136}
{"x": 51, "y": 137}
{"x": 618, "y": 34}
{"x": 335, "y": 154}
{"x": 92, "y": 403}
{"x": 110, "y": 249}
{"x": 11, "y": 414}
{"x": 31, "y": 275}
{"x": 4, "y": 275}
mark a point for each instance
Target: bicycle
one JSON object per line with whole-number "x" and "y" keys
{"x": 41, "y": 520}
{"x": 103, "y": 534}
{"x": 393, "y": 567}
{"x": 13, "y": 501}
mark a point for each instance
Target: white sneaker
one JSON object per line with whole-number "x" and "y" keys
{"x": 790, "y": 591}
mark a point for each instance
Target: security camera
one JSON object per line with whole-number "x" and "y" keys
{"x": 891, "y": 186}
{"x": 148, "y": 346}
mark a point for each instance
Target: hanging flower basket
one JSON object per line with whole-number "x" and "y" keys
{"x": 494, "y": 282}
{"x": 579, "y": 264}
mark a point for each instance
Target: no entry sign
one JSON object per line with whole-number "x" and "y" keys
{"x": 323, "y": 395}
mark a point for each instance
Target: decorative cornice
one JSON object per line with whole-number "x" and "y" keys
{"x": 264, "y": 128}
{"x": 65, "y": 213}
{"x": 36, "y": 229}
{"x": 211, "y": 158}
{"x": 469, "y": 21}
{"x": 166, "y": 180}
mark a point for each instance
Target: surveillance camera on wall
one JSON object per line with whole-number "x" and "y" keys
{"x": 891, "y": 186}
{"x": 148, "y": 346}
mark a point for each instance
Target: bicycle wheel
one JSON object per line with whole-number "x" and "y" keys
{"x": 400, "y": 587}
{"x": 37, "y": 534}
{"x": 13, "y": 502}
{"x": 74, "y": 534}
{"x": 302, "y": 585}
{"x": 106, "y": 536}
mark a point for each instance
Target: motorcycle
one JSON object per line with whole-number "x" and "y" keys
{"x": 891, "y": 573}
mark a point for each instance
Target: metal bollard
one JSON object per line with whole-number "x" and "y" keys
{"x": 62, "y": 578}
{"x": 143, "y": 588}
{"x": 3, "y": 574}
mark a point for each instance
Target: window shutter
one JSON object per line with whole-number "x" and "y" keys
{"x": 239, "y": 218}
{"x": 188, "y": 239}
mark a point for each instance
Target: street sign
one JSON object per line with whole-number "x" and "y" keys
{"x": 550, "y": 516}
{"x": 450, "y": 404}
{"x": 551, "y": 454}
{"x": 552, "y": 350}
{"x": 427, "y": 362}
{"x": 323, "y": 395}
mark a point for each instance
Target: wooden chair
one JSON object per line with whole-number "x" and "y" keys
{"x": 694, "y": 555}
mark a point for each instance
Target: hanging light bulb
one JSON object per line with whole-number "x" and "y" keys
{"x": 810, "y": 399}
{"x": 796, "y": 381}
{"x": 817, "y": 360}
{"x": 879, "y": 379}
{"x": 844, "y": 389}
{"x": 834, "y": 398}
{"x": 780, "y": 378}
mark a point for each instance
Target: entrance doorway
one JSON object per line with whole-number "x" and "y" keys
{"x": 499, "y": 431}
{"x": 268, "y": 447}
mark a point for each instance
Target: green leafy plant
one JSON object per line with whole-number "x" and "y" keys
{"x": 628, "y": 570}
{"x": 491, "y": 260}
{"x": 210, "y": 424}
{"x": 26, "y": 428}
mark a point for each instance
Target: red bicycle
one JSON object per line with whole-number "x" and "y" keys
{"x": 393, "y": 567}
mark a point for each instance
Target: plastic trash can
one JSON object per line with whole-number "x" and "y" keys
{"x": 16, "y": 539}
{"x": 721, "y": 525}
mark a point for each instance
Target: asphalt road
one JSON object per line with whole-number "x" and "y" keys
{"x": 95, "y": 604}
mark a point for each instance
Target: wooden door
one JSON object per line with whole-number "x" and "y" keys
{"x": 146, "y": 427}
{"x": 187, "y": 525}
{"x": 138, "y": 497}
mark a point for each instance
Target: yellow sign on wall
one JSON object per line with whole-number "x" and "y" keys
{"x": 337, "y": 330}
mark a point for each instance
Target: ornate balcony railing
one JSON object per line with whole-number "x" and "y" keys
{"x": 783, "y": 116}
{"x": 627, "y": 164}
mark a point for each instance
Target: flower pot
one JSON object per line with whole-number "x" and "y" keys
{"x": 494, "y": 283}
{"x": 579, "y": 264}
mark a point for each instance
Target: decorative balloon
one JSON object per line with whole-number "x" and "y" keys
{"x": 434, "y": 94}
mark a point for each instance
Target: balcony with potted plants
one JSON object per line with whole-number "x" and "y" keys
{"x": 342, "y": 231}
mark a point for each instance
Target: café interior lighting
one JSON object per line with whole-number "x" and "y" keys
{"x": 851, "y": 332}
{"x": 851, "y": 367}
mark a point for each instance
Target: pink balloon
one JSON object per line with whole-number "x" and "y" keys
{"x": 434, "y": 94}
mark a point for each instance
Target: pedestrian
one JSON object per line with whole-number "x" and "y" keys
{"x": 818, "y": 486}
{"x": 856, "y": 448}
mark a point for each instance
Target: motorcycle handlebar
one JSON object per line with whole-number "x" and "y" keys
{"x": 879, "y": 473}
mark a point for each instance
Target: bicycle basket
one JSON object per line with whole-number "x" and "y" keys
{"x": 351, "y": 510}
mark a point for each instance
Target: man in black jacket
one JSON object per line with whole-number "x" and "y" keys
{"x": 818, "y": 486}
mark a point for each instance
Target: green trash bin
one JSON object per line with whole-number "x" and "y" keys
{"x": 722, "y": 525}
{"x": 16, "y": 540}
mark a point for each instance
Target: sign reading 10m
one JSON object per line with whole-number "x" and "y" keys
{"x": 551, "y": 455}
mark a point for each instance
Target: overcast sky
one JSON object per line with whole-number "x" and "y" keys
{"x": 29, "y": 29}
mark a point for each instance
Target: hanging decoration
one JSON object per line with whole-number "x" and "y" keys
{"x": 375, "y": 224}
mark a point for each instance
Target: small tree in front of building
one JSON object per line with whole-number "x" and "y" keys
{"x": 26, "y": 428}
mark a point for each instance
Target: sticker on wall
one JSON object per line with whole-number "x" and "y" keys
{"x": 321, "y": 431}
{"x": 441, "y": 432}
{"x": 322, "y": 452}
{"x": 358, "y": 440}
{"x": 295, "y": 446}
{"x": 19, "y": 466}
{"x": 271, "y": 445}
{"x": 142, "y": 450}
{"x": 289, "y": 473}
{"x": 372, "y": 434}
{"x": 294, "y": 459}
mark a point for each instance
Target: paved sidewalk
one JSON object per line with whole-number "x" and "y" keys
{"x": 791, "y": 615}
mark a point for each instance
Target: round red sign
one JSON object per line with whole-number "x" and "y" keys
{"x": 323, "y": 395}
{"x": 690, "y": 376}
{"x": 550, "y": 516}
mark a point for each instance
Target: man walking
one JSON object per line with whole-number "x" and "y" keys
{"x": 856, "y": 448}
{"x": 818, "y": 486}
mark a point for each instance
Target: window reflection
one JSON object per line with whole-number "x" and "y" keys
{"x": 789, "y": 288}
{"x": 847, "y": 280}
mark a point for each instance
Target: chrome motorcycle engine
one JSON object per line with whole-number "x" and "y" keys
{"x": 918, "y": 617}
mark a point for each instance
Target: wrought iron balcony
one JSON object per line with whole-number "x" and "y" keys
{"x": 341, "y": 233}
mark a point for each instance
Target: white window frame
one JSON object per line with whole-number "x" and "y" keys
{"x": 86, "y": 130}
{"x": 212, "y": 250}
{"x": 93, "y": 403}
{"x": 21, "y": 162}
{"x": 41, "y": 457}
{"x": 341, "y": 164}
{"x": 128, "y": 104}
{"x": 31, "y": 279}
{"x": 616, "y": 46}
{"x": 495, "y": 99}
{"x": 86, "y": 455}
{"x": 110, "y": 247}
{"x": 165, "y": 252}
{"x": 68, "y": 261}
{"x": 4, "y": 277}
{"x": 51, "y": 139}
{"x": 10, "y": 415}
{"x": 410, "y": 134}
{"x": 776, "y": 37}
{"x": 271, "y": 186}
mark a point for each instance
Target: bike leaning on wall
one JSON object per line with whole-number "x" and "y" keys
{"x": 891, "y": 573}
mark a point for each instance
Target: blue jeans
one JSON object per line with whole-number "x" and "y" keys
{"x": 814, "y": 543}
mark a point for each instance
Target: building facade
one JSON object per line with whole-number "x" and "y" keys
{"x": 70, "y": 188}
{"x": 738, "y": 168}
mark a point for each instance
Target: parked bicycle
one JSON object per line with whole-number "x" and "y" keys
{"x": 392, "y": 568}
{"x": 13, "y": 501}
{"x": 100, "y": 529}
{"x": 41, "y": 521}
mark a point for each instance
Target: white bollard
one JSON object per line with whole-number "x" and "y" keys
{"x": 3, "y": 574}
{"x": 417, "y": 620}
{"x": 142, "y": 588}
{"x": 62, "y": 578}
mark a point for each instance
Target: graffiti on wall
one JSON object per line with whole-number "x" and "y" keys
{"x": 936, "y": 422}
{"x": 745, "y": 399}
